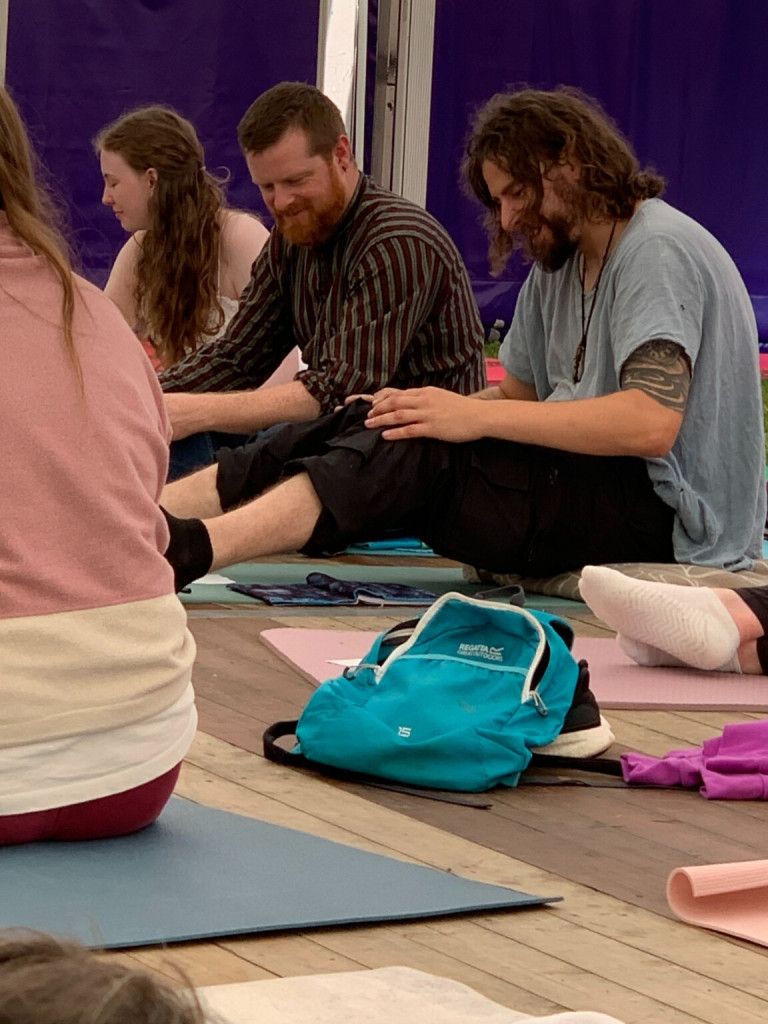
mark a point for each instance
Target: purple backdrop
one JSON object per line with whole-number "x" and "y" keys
{"x": 687, "y": 81}
{"x": 75, "y": 66}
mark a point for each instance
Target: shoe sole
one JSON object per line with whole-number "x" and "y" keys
{"x": 580, "y": 743}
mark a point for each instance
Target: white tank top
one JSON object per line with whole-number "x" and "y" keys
{"x": 229, "y": 307}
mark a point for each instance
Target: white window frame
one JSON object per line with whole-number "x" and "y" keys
{"x": 403, "y": 96}
{"x": 342, "y": 47}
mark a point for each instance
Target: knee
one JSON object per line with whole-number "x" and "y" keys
{"x": 193, "y": 496}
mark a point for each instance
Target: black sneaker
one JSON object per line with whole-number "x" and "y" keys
{"x": 585, "y": 732}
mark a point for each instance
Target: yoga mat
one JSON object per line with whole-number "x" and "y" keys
{"x": 405, "y": 546}
{"x": 616, "y": 681}
{"x": 385, "y": 995}
{"x": 199, "y": 872}
{"x": 438, "y": 580}
{"x": 728, "y": 898}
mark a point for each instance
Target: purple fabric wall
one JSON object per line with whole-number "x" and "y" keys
{"x": 687, "y": 81}
{"x": 75, "y": 66}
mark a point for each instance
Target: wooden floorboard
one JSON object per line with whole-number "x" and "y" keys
{"x": 604, "y": 838}
{"x": 591, "y": 950}
{"x": 611, "y": 946}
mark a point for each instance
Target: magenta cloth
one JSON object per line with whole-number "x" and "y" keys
{"x": 732, "y": 766}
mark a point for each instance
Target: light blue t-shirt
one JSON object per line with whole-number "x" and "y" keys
{"x": 668, "y": 278}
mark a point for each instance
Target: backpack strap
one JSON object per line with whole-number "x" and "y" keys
{"x": 274, "y": 752}
{"x": 594, "y": 782}
{"x": 602, "y": 765}
{"x": 563, "y": 629}
{"x": 395, "y": 636}
{"x": 608, "y": 767}
{"x": 513, "y": 593}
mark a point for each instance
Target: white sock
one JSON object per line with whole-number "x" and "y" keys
{"x": 652, "y": 657}
{"x": 690, "y": 623}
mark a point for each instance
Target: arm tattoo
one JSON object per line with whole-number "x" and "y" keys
{"x": 661, "y": 369}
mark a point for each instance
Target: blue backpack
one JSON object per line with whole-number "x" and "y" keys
{"x": 455, "y": 700}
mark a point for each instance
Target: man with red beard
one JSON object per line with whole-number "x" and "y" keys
{"x": 367, "y": 284}
{"x": 628, "y": 426}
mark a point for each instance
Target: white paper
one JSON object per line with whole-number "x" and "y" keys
{"x": 213, "y": 577}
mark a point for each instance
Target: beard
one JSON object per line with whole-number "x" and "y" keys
{"x": 312, "y": 222}
{"x": 553, "y": 252}
{"x": 547, "y": 241}
{"x": 551, "y": 241}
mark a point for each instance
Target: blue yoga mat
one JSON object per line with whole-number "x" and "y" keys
{"x": 403, "y": 546}
{"x": 199, "y": 872}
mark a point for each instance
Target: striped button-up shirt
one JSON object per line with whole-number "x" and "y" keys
{"x": 385, "y": 301}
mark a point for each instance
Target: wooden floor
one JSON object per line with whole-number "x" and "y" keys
{"x": 611, "y": 945}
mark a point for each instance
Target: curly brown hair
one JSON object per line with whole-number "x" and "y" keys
{"x": 528, "y": 130}
{"x": 291, "y": 106}
{"x": 177, "y": 272}
{"x": 31, "y": 212}
{"x": 47, "y": 981}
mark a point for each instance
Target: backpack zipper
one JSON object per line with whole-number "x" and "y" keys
{"x": 529, "y": 693}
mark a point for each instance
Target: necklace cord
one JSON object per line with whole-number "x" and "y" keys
{"x": 581, "y": 352}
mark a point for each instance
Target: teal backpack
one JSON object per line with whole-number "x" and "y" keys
{"x": 455, "y": 700}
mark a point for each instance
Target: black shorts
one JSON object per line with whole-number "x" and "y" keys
{"x": 497, "y": 505}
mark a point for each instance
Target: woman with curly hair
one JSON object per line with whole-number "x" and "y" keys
{"x": 178, "y": 278}
{"x": 96, "y": 702}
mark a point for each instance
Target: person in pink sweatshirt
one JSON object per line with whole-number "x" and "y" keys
{"x": 96, "y": 701}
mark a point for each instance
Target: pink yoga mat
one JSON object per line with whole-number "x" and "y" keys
{"x": 617, "y": 682}
{"x": 729, "y": 898}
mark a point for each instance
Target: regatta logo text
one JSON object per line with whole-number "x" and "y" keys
{"x": 481, "y": 651}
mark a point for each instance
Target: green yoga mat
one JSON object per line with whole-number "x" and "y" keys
{"x": 199, "y": 872}
{"x": 438, "y": 580}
